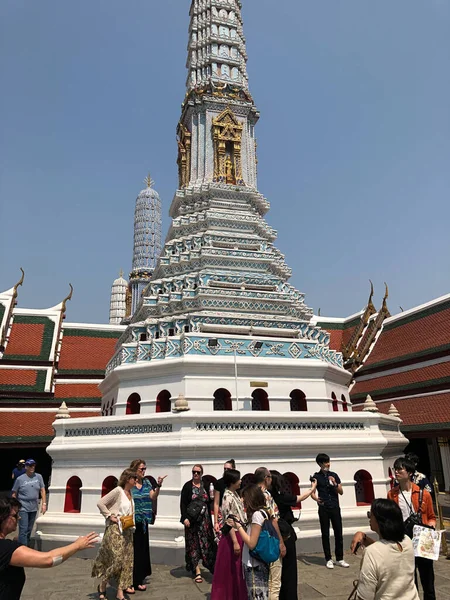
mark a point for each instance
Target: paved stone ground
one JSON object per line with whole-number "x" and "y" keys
{"x": 71, "y": 581}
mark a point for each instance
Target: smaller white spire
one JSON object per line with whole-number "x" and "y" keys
{"x": 118, "y": 304}
{"x": 369, "y": 405}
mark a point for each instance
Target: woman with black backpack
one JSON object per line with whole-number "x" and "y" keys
{"x": 198, "y": 529}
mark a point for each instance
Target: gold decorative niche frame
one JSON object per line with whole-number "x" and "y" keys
{"x": 184, "y": 155}
{"x": 227, "y": 136}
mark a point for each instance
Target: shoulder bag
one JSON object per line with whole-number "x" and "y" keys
{"x": 415, "y": 518}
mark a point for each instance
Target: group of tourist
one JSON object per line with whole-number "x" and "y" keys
{"x": 250, "y": 548}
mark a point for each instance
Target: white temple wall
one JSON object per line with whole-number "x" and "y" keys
{"x": 198, "y": 380}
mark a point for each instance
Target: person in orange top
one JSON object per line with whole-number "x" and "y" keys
{"x": 407, "y": 495}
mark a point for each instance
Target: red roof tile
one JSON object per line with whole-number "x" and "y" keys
{"x": 22, "y": 425}
{"x": 336, "y": 339}
{"x": 25, "y": 339}
{"x": 421, "y": 410}
{"x": 22, "y": 377}
{"x": 77, "y": 390}
{"x": 405, "y": 378}
{"x": 412, "y": 336}
{"x": 86, "y": 353}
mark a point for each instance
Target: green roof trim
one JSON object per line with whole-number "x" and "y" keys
{"x": 20, "y": 439}
{"x": 426, "y": 312}
{"x": 401, "y": 388}
{"x": 99, "y": 372}
{"x": 50, "y": 402}
{"x": 47, "y": 338}
{"x": 426, "y": 427}
{"x": 405, "y": 357}
{"x": 39, "y": 386}
{"x": 92, "y": 333}
{"x": 339, "y": 326}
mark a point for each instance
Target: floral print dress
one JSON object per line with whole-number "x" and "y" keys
{"x": 199, "y": 537}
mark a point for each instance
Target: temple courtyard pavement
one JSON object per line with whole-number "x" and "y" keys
{"x": 71, "y": 581}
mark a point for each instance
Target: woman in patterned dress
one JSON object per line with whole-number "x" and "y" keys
{"x": 115, "y": 557}
{"x": 228, "y": 581}
{"x": 144, "y": 497}
{"x": 199, "y": 536}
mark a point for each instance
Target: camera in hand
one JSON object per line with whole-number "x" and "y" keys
{"x": 312, "y": 479}
{"x": 227, "y": 528}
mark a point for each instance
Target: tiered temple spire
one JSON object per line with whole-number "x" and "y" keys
{"x": 147, "y": 240}
{"x": 217, "y": 53}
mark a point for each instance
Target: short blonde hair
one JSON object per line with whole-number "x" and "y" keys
{"x": 126, "y": 476}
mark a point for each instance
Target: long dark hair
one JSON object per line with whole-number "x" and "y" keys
{"x": 389, "y": 518}
{"x": 254, "y": 500}
{"x": 278, "y": 483}
{"x": 6, "y": 504}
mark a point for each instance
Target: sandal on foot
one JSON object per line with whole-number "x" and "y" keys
{"x": 101, "y": 595}
{"x": 130, "y": 590}
{"x": 198, "y": 578}
{"x": 142, "y": 588}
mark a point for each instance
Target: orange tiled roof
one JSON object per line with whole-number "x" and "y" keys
{"x": 25, "y": 339}
{"x": 346, "y": 335}
{"x": 86, "y": 353}
{"x": 415, "y": 334}
{"x": 421, "y": 410}
{"x": 22, "y": 377}
{"x": 77, "y": 390}
{"x": 21, "y": 426}
{"x": 408, "y": 379}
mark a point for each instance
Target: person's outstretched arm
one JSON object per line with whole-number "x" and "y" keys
{"x": 26, "y": 557}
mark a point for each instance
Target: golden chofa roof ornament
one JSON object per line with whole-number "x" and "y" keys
{"x": 66, "y": 299}
{"x": 149, "y": 181}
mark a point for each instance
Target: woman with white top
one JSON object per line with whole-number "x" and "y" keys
{"x": 115, "y": 557}
{"x": 256, "y": 572}
{"x": 387, "y": 567}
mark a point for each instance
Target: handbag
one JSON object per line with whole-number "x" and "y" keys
{"x": 268, "y": 547}
{"x": 415, "y": 518}
{"x": 195, "y": 510}
{"x": 127, "y": 521}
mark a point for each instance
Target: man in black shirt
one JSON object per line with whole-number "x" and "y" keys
{"x": 329, "y": 488}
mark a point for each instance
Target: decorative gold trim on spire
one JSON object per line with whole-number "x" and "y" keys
{"x": 350, "y": 350}
{"x": 227, "y": 135}
{"x": 148, "y": 181}
{"x": 184, "y": 155}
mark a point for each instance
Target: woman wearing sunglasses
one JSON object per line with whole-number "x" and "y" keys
{"x": 144, "y": 498}
{"x": 198, "y": 528}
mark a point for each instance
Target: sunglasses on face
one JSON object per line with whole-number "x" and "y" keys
{"x": 142, "y": 469}
{"x": 196, "y": 472}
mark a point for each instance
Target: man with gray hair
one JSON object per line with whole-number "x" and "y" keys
{"x": 263, "y": 479}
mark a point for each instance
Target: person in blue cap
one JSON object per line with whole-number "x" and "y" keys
{"x": 26, "y": 489}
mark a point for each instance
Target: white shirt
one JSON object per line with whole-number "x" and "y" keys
{"x": 405, "y": 504}
{"x": 387, "y": 573}
{"x": 247, "y": 560}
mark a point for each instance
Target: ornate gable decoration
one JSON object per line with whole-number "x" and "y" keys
{"x": 227, "y": 135}
{"x": 184, "y": 155}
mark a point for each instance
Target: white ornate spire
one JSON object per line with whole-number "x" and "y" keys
{"x": 147, "y": 240}
{"x": 216, "y": 48}
{"x": 118, "y": 306}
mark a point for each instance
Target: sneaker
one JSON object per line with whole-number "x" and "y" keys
{"x": 329, "y": 564}
{"x": 342, "y": 563}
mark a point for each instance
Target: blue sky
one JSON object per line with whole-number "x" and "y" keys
{"x": 353, "y": 140}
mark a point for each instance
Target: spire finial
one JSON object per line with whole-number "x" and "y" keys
{"x": 121, "y": 273}
{"x": 148, "y": 181}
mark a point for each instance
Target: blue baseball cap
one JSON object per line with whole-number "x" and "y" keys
{"x": 30, "y": 461}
